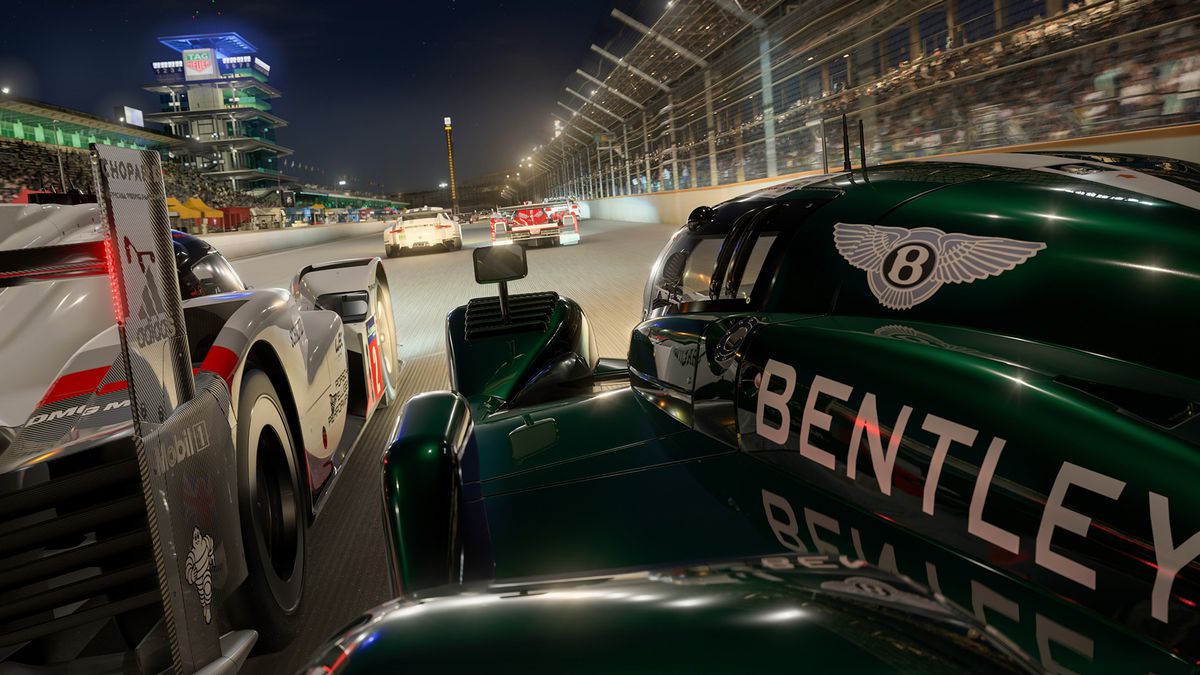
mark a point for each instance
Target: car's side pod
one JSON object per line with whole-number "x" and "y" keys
{"x": 422, "y": 490}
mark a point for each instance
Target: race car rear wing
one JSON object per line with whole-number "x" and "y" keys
{"x": 47, "y": 263}
{"x": 539, "y": 205}
{"x": 181, "y": 438}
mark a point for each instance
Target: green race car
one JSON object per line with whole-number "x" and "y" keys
{"x": 768, "y": 615}
{"x": 979, "y": 373}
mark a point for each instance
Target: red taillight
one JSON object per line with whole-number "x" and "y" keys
{"x": 114, "y": 281}
{"x": 443, "y": 227}
{"x": 397, "y": 230}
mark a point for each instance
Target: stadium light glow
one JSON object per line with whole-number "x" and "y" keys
{"x": 443, "y": 185}
{"x": 4, "y": 90}
{"x": 341, "y": 182}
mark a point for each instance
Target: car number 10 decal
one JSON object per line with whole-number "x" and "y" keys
{"x": 375, "y": 363}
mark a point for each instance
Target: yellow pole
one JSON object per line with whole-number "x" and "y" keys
{"x": 450, "y": 158}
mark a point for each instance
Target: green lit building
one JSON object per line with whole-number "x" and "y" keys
{"x": 37, "y": 122}
{"x": 217, "y": 96}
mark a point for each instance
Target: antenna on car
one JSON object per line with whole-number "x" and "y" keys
{"x": 845, "y": 144}
{"x": 862, "y": 148}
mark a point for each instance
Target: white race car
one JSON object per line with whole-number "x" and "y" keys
{"x": 305, "y": 370}
{"x": 421, "y": 229}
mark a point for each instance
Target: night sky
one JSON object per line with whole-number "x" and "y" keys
{"x": 365, "y": 84}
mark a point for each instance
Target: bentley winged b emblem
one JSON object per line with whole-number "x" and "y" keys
{"x": 906, "y": 267}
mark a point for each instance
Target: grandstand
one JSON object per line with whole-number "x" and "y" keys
{"x": 30, "y": 166}
{"x": 43, "y": 147}
{"x": 681, "y": 104}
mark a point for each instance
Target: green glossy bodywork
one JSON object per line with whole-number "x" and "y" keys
{"x": 1064, "y": 514}
{"x": 815, "y": 614}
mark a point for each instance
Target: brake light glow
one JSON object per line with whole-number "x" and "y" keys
{"x": 114, "y": 282}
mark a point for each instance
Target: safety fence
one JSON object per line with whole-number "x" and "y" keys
{"x": 925, "y": 77}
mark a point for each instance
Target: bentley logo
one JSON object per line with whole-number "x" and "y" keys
{"x": 906, "y": 267}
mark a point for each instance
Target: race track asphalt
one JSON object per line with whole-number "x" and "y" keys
{"x": 605, "y": 273}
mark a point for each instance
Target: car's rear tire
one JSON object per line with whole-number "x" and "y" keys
{"x": 391, "y": 251}
{"x": 274, "y": 517}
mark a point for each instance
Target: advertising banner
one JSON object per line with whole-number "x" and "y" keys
{"x": 199, "y": 64}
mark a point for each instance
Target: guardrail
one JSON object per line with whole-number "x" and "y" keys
{"x": 673, "y": 206}
{"x": 236, "y": 245}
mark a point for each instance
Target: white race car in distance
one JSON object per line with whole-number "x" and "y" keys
{"x": 422, "y": 229}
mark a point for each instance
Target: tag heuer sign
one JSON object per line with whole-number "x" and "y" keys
{"x": 199, "y": 64}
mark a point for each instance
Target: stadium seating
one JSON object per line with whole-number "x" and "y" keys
{"x": 35, "y": 166}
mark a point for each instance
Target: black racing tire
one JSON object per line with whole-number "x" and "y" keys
{"x": 404, "y": 250}
{"x": 274, "y": 518}
{"x": 391, "y": 251}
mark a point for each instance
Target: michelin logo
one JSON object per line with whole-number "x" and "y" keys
{"x": 197, "y": 569}
{"x": 179, "y": 447}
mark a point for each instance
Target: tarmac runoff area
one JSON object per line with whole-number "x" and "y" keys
{"x": 347, "y": 564}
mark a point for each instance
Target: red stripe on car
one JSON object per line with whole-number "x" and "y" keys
{"x": 119, "y": 385}
{"x": 222, "y": 362}
{"x": 73, "y": 384}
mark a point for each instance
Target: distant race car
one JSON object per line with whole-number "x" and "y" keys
{"x": 305, "y": 371}
{"x": 979, "y": 372}
{"x": 420, "y": 229}
{"x": 550, "y": 223}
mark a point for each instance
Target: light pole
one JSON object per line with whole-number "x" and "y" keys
{"x": 62, "y": 175}
{"x": 450, "y": 158}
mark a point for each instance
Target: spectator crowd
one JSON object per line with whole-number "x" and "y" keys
{"x": 1100, "y": 66}
{"x": 36, "y": 167}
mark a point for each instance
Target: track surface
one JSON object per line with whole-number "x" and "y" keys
{"x": 605, "y": 274}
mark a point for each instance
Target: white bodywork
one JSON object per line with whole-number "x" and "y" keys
{"x": 422, "y": 229}
{"x": 56, "y": 331}
{"x": 32, "y": 352}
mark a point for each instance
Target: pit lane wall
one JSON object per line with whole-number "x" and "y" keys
{"x": 235, "y": 245}
{"x": 673, "y": 207}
